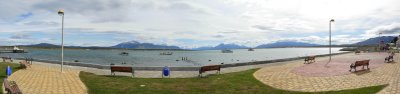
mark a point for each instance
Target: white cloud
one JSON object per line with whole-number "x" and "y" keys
{"x": 393, "y": 28}
{"x": 229, "y": 21}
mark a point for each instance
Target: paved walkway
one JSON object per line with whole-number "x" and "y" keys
{"x": 339, "y": 65}
{"x": 45, "y": 79}
{"x": 281, "y": 77}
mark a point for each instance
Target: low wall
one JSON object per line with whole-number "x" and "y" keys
{"x": 178, "y": 68}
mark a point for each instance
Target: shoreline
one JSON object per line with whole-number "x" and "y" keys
{"x": 174, "y": 68}
{"x": 179, "y": 72}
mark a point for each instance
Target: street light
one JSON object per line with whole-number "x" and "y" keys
{"x": 61, "y": 13}
{"x": 380, "y": 41}
{"x": 330, "y": 45}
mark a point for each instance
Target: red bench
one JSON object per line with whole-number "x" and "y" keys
{"x": 309, "y": 59}
{"x": 6, "y": 58}
{"x": 121, "y": 69}
{"x": 359, "y": 63}
{"x": 11, "y": 87}
{"x": 209, "y": 68}
{"x": 29, "y": 60}
{"x": 24, "y": 64}
{"x": 357, "y": 52}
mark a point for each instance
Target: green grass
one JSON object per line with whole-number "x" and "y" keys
{"x": 231, "y": 83}
{"x": 3, "y": 67}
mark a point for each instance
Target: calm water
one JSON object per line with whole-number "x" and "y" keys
{"x": 153, "y": 58}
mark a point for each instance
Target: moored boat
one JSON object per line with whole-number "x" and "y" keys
{"x": 250, "y": 49}
{"x": 226, "y": 51}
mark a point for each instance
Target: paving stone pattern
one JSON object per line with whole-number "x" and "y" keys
{"x": 282, "y": 77}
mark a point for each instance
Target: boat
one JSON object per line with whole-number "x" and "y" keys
{"x": 166, "y": 53}
{"x": 17, "y": 50}
{"x": 124, "y": 53}
{"x": 226, "y": 51}
{"x": 250, "y": 49}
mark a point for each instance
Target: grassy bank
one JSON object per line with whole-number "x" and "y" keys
{"x": 237, "y": 83}
{"x": 3, "y": 67}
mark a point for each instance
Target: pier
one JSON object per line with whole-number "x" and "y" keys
{"x": 12, "y": 51}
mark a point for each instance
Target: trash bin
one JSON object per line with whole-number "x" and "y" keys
{"x": 166, "y": 71}
{"x": 8, "y": 71}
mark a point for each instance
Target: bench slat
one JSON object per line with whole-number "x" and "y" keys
{"x": 122, "y": 69}
{"x": 359, "y": 63}
{"x": 209, "y": 68}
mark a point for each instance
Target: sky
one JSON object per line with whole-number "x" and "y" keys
{"x": 195, "y": 23}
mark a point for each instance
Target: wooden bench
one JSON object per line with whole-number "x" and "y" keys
{"x": 357, "y": 52}
{"x": 24, "y": 64}
{"x": 29, "y": 60}
{"x": 359, "y": 63}
{"x": 6, "y": 58}
{"x": 309, "y": 59}
{"x": 389, "y": 58}
{"x": 209, "y": 68}
{"x": 11, "y": 87}
{"x": 122, "y": 69}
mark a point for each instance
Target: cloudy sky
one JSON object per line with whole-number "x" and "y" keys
{"x": 194, "y": 23}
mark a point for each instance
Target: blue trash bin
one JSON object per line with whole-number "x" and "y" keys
{"x": 165, "y": 71}
{"x": 8, "y": 71}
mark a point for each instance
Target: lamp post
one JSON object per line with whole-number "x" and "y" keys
{"x": 61, "y": 13}
{"x": 397, "y": 43}
{"x": 330, "y": 42}
{"x": 380, "y": 41}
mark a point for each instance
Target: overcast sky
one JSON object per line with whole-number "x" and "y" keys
{"x": 194, "y": 23}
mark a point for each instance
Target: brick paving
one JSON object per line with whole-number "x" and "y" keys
{"x": 340, "y": 64}
{"x": 42, "y": 79}
{"x": 282, "y": 77}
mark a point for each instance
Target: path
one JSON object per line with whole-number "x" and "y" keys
{"x": 43, "y": 79}
{"x": 281, "y": 77}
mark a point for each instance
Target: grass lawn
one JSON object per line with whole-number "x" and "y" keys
{"x": 3, "y": 67}
{"x": 238, "y": 83}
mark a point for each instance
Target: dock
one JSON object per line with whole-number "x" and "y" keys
{"x": 12, "y": 51}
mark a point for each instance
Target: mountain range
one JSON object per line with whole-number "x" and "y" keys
{"x": 138, "y": 45}
{"x": 286, "y": 44}
{"x": 373, "y": 41}
{"x": 222, "y": 46}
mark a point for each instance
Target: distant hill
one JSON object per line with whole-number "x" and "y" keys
{"x": 48, "y": 45}
{"x": 138, "y": 45}
{"x": 222, "y": 46}
{"x": 43, "y": 45}
{"x": 286, "y": 44}
{"x": 374, "y": 41}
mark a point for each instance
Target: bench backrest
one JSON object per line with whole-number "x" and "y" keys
{"x": 210, "y": 68}
{"x": 121, "y": 69}
{"x": 392, "y": 54}
{"x": 23, "y": 62}
{"x": 362, "y": 62}
{"x": 6, "y": 58}
{"x": 6, "y": 84}
{"x": 310, "y": 58}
